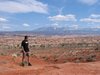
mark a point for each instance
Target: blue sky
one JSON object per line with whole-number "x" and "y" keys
{"x": 19, "y": 15}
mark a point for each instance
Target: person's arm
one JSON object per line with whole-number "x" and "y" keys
{"x": 22, "y": 46}
{"x": 28, "y": 46}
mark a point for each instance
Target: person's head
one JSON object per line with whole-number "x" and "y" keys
{"x": 26, "y": 37}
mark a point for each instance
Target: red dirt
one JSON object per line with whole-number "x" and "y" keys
{"x": 10, "y": 66}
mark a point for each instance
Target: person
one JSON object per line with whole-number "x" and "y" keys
{"x": 25, "y": 51}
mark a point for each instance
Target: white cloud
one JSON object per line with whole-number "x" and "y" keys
{"x": 74, "y": 26}
{"x": 97, "y": 27}
{"x": 95, "y": 16}
{"x": 60, "y": 10}
{"x": 6, "y": 27}
{"x": 3, "y": 24}
{"x": 92, "y": 19}
{"x": 69, "y": 17}
{"x": 26, "y": 25}
{"x": 23, "y": 6}
{"x": 88, "y": 2}
{"x": 55, "y": 25}
{"x": 3, "y": 19}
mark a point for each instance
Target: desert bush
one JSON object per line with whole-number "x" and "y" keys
{"x": 91, "y": 58}
{"x": 33, "y": 46}
{"x": 63, "y": 44}
{"x": 18, "y": 54}
{"x": 2, "y": 54}
{"x": 45, "y": 58}
{"x": 42, "y": 46}
{"x": 18, "y": 45}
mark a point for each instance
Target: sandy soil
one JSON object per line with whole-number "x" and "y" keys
{"x": 11, "y": 66}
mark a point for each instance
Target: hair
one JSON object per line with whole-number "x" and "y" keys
{"x": 26, "y": 37}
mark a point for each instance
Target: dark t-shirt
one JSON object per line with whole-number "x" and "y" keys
{"x": 25, "y": 44}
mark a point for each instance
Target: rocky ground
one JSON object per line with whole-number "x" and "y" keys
{"x": 11, "y": 66}
{"x": 54, "y": 55}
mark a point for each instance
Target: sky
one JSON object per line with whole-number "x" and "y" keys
{"x": 27, "y": 15}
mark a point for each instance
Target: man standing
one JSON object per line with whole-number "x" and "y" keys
{"x": 25, "y": 51}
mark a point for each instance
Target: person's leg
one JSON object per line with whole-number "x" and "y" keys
{"x": 27, "y": 54}
{"x": 23, "y": 57}
{"x": 28, "y": 60}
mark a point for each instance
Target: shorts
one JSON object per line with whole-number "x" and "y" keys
{"x": 26, "y": 49}
{"x": 25, "y": 53}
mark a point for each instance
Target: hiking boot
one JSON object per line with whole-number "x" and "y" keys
{"x": 22, "y": 64}
{"x": 29, "y": 64}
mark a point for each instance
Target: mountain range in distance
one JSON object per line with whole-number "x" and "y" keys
{"x": 55, "y": 31}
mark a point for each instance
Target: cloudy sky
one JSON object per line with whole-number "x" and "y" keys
{"x": 19, "y": 15}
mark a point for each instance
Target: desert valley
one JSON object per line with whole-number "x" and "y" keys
{"x": 51, "y": 55}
